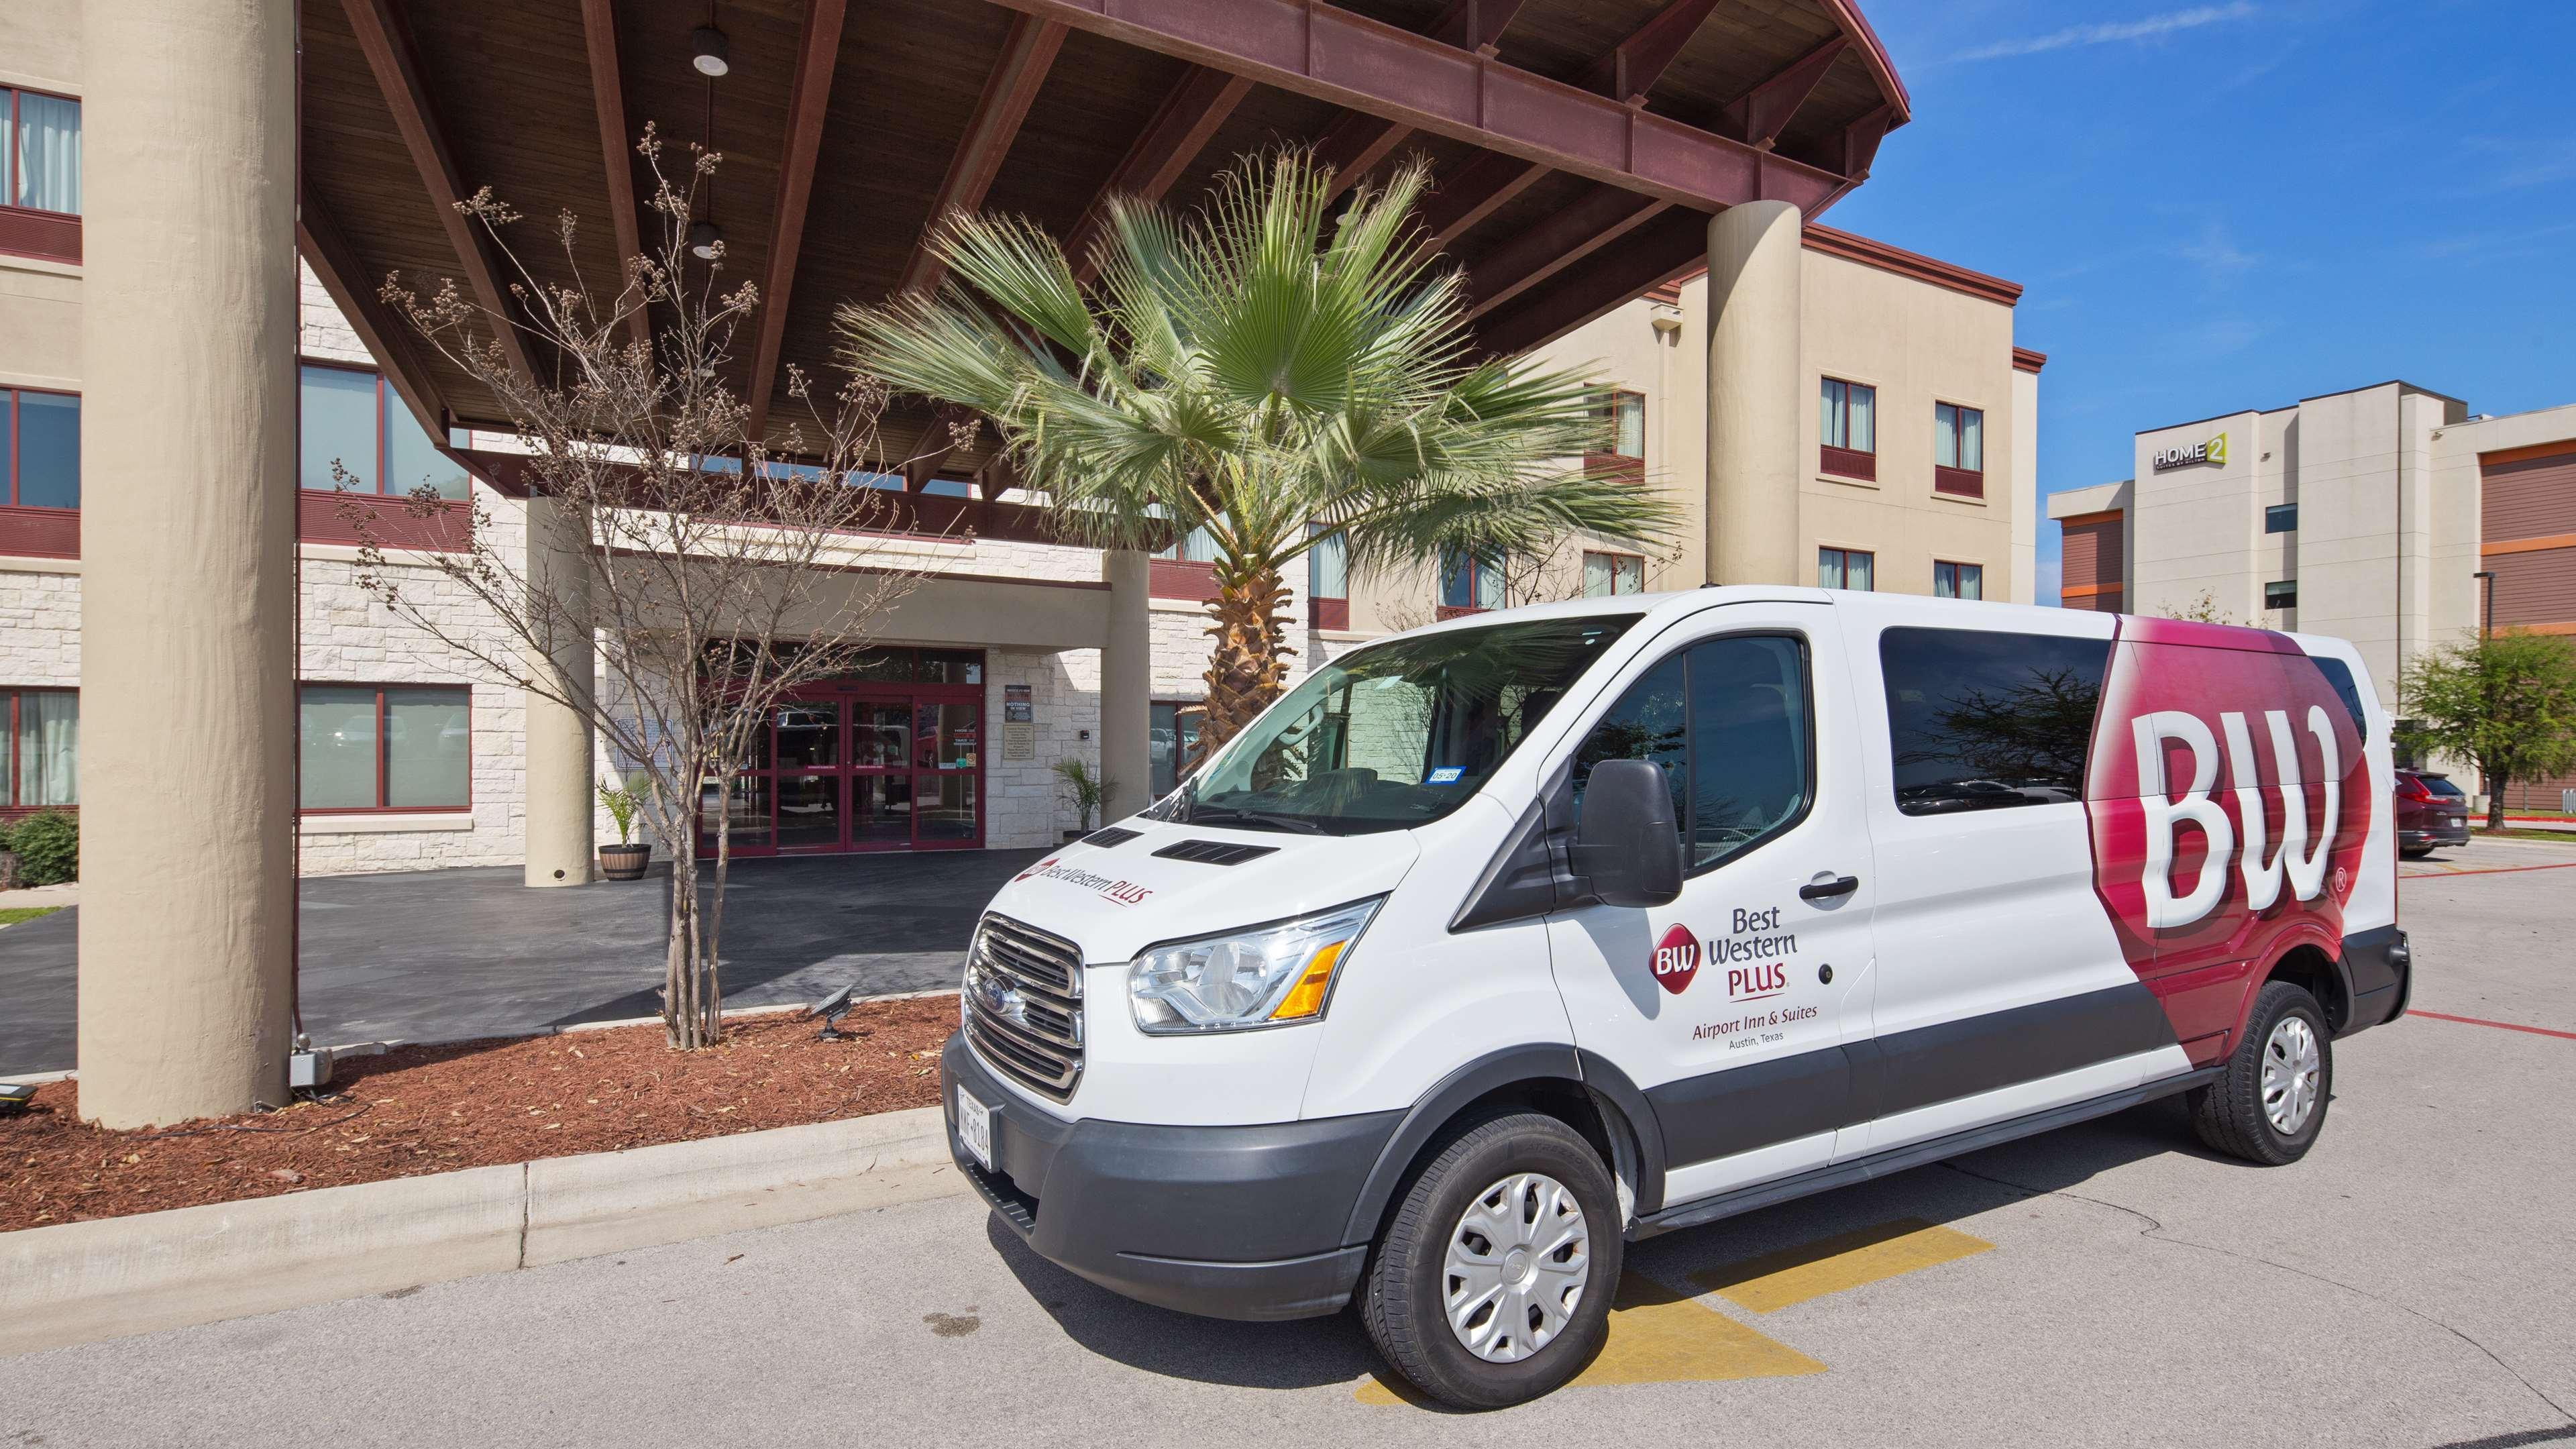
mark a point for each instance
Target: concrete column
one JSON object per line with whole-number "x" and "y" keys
{"x": 560, "y": 849}
{"x": 188, "y": 558}
{"x": 1126, "y": 687}
{"x": 1756, "y": 390}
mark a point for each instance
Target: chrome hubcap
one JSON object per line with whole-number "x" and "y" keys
{"x": 1516, "y": 1268}
{"x": 2291, "y": 1061}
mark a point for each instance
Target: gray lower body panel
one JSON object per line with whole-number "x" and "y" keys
{"x": 1227, "y": 1222}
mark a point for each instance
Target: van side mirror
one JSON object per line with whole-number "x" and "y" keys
{"x": 1626, "y": 847}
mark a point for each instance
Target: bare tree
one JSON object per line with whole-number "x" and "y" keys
{"x": 674, "y": 579}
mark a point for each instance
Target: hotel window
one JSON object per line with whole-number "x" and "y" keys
{"x": 40, "y": 448}
{"x": 1468, "y": 585}
{"x": 353, "y": 417}
{"x": 44, "y": 754}
{"x": 1196, "y": 546}
{"x": 1605, "y": 574}
{"x": 1845, "y": 568}
{"x": 385, "y": 747}
{"x": 1328, "y": 580}
{"x": 2282, "y": 594}
{"x": 2281, "y": 518}
{"x": 1958, "y": 580}
{"x": 1848, "y": 426}
{"x": 1958, "y": 450}
{"x": 40, "y": 151}
{"x": 1622, "y": 420}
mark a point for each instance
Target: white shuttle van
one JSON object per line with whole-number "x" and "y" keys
{"x": 1495, "y": 945}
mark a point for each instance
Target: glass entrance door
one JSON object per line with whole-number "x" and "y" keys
{"x": 862, "y": 767}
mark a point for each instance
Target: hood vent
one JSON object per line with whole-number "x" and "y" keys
{"x": 1108, "y": 836}
{"x": 1215, "y": 852}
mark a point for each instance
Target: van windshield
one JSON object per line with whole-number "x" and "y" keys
{"x": 1397, "y": 734}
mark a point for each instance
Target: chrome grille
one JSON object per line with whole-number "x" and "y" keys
{"x": 1024, "y": 1005}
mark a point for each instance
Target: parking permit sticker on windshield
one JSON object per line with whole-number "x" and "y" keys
{"x": 1445, "y": 775}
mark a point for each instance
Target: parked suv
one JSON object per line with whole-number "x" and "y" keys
{"x": 2431, "y": 812}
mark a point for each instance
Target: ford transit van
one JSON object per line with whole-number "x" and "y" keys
{"x": 1496, "y": 945}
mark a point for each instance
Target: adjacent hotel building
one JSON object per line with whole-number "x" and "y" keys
{"x": 2389, "y": 515}
{"x": 1903, "y": 410}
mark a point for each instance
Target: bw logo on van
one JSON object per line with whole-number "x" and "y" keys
{"x": 1676, "y": 959}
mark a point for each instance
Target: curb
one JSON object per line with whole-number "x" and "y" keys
{"x": 114, "y": 1277}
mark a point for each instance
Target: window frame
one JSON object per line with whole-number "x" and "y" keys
{"x": 34, "y": 231}
{"x": 9, "y": 153}
{"x": 1608, "y": 459}
{"x": 1868, "y": 553}
{"x": 384, "y": 741}
{"x": 1616, "y": 558}
{"x": 1475, "y": 567}
{"x": 1841, "y": 459}
{"x": 9, "y": 468}
{"x": 1958, "y": 577}
{"x": 2274, "y": 513}
{"x": 1644, "y": 668}
{"x": 12, "y": 807}
{"x": 1949, "y": 479}
{"x": 2280, "y": 594}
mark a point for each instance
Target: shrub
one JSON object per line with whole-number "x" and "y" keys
{"x": 48, "y": 846}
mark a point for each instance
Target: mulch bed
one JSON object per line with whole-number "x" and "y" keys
{"x": 424, "y": 1109}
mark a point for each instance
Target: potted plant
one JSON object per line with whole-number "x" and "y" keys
{"x": 624, "y": 860}
{"x": 1082, "y": 789}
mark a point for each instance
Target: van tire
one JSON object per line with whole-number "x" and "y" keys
{"x": 2230, "y": 1114}
{"x": 1401, "y": 1300}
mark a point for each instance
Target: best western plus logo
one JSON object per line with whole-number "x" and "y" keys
{"x": 2213, "y": 452}
{"x": 1676, "y": 959}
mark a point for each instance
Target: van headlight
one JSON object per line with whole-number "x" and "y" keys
{"x": 1261, "y": 977}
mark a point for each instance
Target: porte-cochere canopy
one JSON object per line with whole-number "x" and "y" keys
{"x": 1577, "y": 146}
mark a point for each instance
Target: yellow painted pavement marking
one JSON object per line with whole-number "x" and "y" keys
{"x": 1658, "y": 1336}
{"x": 1774, "y": 1281}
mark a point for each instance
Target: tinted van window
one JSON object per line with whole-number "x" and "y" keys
{"x": 2339, "y": 678}
{"x": 1727, "y": 721}
{"x": 1978, "y": 720}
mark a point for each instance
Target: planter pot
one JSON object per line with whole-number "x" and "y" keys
{"x": 624, "y": 862}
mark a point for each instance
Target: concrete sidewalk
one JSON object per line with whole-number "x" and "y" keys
{"x": 438, "y": 955}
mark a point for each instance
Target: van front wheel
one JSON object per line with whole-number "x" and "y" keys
{"x": 2270, "y": 1101}
{"x": 1492, "y": 1284}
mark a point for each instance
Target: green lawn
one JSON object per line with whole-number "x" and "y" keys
{"x": 12, "y": 915}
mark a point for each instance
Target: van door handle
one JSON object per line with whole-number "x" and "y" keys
{"x": 1825, "y": 890}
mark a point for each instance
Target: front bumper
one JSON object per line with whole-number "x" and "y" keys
{"x": 1226, "y": 1222}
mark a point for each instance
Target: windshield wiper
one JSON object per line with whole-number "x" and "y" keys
{"x": 1216, "y": 815}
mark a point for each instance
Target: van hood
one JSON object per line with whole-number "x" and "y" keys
{"x": 1116, "y": 900}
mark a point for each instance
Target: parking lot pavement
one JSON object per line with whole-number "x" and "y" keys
{"x": 2411, "y": 1283}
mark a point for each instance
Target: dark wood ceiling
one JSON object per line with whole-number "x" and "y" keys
{"x": 1039, "y": 107}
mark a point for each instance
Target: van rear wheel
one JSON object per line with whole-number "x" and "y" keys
{"x": 1492, "y": 1283}
{"x": 2270, "y": 1101}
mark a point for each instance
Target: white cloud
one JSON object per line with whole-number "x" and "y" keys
{"x": 2113, "y": 32}
{"x": 2217, "y": 253}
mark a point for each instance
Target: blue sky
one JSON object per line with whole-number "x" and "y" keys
{"x": 2238, "y": 204}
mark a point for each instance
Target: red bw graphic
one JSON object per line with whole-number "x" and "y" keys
{"x": 1676, "y": 959}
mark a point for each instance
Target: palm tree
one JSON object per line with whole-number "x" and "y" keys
{"x": 1246, "y": 371}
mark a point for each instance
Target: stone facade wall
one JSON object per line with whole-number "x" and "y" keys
{"x": 40, "y": 624}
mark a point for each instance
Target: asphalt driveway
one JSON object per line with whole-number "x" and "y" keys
{"x": 447, "y": 954}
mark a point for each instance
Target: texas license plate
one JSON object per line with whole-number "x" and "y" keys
{"x": 975, "y": 1127}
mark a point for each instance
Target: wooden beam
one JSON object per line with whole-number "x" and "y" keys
{"x": 1596, "y": 219}
{"x": 1332, "y": 54}
{"x": 1860, "y": 143}
{"x": 1628, "y": 72}
{"x": 1470, "y": 196}
{"x": 1476, "y": 25}
{"x": 1662, "y": 250}
{"x": 818, "y": 50}
{"x": 1161, "y": 153}
{"x": 386, "y": 335}
{"x": 937, "y": 441}
{"x": 388, "y": 46}
{"x": 1759, "y": 115}
{"x": 616, "y": 148}
{"x": 1027, "y": 53}
{"x": 1357, "y": 142}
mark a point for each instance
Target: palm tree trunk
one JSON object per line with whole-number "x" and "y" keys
{"x": 1247, "y": 668}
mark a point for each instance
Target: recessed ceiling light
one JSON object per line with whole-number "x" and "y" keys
{"x": 705, "y": 240}
{"x": 711, "y": 56}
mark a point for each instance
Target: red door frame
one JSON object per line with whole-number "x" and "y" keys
{"x": 848, "y": 697}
